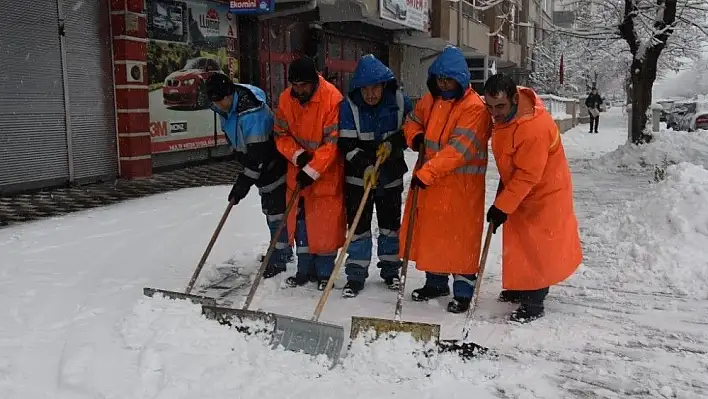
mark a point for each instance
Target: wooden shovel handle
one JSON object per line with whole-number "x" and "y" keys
{"x": 343, "y": 251}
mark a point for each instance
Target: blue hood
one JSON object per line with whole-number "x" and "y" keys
{"x": 449, "y": 64}
{"x": 370, "y": 71}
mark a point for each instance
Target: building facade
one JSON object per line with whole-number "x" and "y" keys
{"x": 115, "y": 88}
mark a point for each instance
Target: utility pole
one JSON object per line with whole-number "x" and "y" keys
{"x": 459, "y": 24}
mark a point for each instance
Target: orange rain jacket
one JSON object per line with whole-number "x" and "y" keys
{"x": 541, "y": 245}
{"x": 313, "y": 127}
{"x": 450, "y": 211}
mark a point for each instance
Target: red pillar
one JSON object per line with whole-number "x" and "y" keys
{"x": 129, "y": 32}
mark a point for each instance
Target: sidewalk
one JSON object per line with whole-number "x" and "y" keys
{"x": 55, "y": 202}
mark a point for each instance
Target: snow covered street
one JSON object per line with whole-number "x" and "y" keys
{"x": 632, "y": 322}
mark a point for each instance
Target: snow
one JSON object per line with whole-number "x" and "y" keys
{"x": 661, "y": 238}
{"x": 75, "y": 323}
{"x": 667, "y": 147}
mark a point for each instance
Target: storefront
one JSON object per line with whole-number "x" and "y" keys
{"x": 342, "y": 52}
{"x": 57, "y": 113}
{"x": 119, "y": 89}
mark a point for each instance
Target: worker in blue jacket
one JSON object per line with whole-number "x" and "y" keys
{"x": 370, "y": 120}
{"x": 247, "y": 123}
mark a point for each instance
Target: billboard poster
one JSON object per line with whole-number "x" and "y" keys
{"x": 188, "y": 42}
{"x": 414, "y": 14}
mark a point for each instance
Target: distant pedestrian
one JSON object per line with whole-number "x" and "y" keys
{"x": 594, "y": 102}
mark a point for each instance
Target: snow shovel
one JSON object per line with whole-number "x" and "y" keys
{"x": 464, "y": 348}
{"x": 291, "y": 333}
{"x": 420, "y": 331}
{"x": 197, "y": 299}
{"x": 311, "y": 337}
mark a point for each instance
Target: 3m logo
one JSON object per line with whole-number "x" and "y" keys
{"x": 158, "y": 129}
{"x": 165, "y": 128}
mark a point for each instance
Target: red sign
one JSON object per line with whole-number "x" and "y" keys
{"x": 417, "y": 4}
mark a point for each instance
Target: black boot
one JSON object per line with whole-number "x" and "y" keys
{"x": 429, "y": 292}
{"x": 322, "y": 284}
{"x": 459, "y": 305}
{"x": 273, "y": 270}
{"x": 510, "y": 296}
{"x": 297, "y": 280}
{"x": 393, "y": 283}
{"x": 352, "y": 289}
{"x": 526, "y": 313}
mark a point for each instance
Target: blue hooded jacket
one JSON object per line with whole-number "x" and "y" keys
{"x": 377, "y": 123}
{"x": 248, "y": 128}
{"x": 450, "y": 63}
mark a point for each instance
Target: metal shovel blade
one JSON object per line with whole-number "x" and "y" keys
{"x": 291, "y": 333}
{"x": 419, "y": 331}
{"x": 196, "y": 299}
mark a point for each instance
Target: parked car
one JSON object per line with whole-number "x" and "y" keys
{"x": 187, "y": 86}
{"x": 688, "y": 116}
{"x": 679, "y": 110}
{"x": 666, "y": 106}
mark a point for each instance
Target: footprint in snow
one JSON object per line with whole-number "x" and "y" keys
{"x": 152, "y": 372}
{"x": 75, "y": 366}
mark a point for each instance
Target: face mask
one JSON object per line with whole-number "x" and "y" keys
{"x": 449, "y": 94}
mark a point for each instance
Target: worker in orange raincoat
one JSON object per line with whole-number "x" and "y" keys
{"x": 541, "y": 245}
{"x": 453, "y": 127}
{"x": 306, "y": 132}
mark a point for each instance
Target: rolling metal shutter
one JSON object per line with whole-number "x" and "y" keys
{"x": 90, "y": 80}
{"x": 33, "y": 144}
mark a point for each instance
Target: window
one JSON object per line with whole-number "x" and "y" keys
{"x": 276, "y": 38}
{"x": 212, "y": 65}
{"x": 277, "y": 79}
{"x": 334, "y": 48}
{"x": 350, "y": 50}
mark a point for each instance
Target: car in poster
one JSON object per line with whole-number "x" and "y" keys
{"x": 186, "y": 88}
{"x": 399, "y": 8}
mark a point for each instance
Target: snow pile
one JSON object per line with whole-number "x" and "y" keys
{"x": 179, "y": 353}
{"x": 667, "y": 147}
{"x": 660, "y": 240}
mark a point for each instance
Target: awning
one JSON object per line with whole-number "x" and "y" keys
{"x": 436, "y": 44}
{"x": 502, "y": 64}
{"x": 354, "y": 11}
{"x": 284, "y": 8}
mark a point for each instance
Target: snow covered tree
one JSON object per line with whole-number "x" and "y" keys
{"x": 585, "y": 65}
{"x": 688, "y": 83}
{"x": 672, "y": 29}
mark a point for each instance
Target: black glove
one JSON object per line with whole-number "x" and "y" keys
{"x": 496, "y": 217}
{"x": 239, "y": 190}
{"x": 360, "y": 161}
{"x": 416, "y": 182}
{"x": 398, "y": 142}
{"x": 303, "y": 179}
{"x": 303, "y": 159}
{"x": 417, "y": 142}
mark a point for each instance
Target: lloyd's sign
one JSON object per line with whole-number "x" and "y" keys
{"x": 251, "y": 6}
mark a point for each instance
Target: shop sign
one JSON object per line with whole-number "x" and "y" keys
{"x": 414, "y": 14}
{"x": 251, "y": 6}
